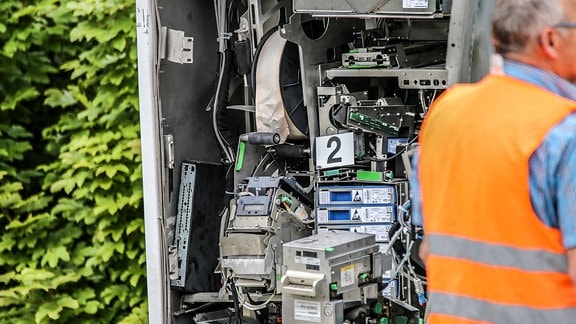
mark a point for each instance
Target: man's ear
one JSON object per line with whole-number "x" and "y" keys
{"x": 548, "y": 40}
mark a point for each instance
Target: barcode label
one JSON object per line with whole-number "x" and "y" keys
{"x": 307, "y": 311}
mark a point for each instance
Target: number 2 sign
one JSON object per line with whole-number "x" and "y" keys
{"x": 334, "y": 150}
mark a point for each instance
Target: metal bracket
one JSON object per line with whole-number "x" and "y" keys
{"x": 175, "y": 47}
{"x": 169, "y": 151}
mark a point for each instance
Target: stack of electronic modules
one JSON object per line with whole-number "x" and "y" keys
{"x": 395, "y": 56}
{"x": 368, "y": 208}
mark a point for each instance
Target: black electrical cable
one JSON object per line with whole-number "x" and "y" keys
{"x": 236, "y": 302}
{"x": 225, "y": 67}
{"x": 280, "y": 168}
{"x": 221, "y": 111}
{"x": 231, "y": 5}
{"x": 261, "y": 169}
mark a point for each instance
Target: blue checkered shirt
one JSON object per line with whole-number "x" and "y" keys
{"x": 552, "y": 166}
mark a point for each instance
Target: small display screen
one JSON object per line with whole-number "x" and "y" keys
{"x": 394, "y": 142}
{"x": 310, "y": 254}
{"x": 254, "y": 207}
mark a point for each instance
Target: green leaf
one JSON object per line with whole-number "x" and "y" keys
{"x": 137, "y": 224}
{"x": 117, "y": 234}
{"x": 64, "y": 279}
{"x": 58, "y": 98}
{"x": 84, "y": 294}
{"x": 13, "y": 46}
{"x": 134, "y": 279}
{"x": 13, "y": 99}
{"x": 111, "y": 170}
{"x": 6, "y": 302}
{"x": 107, "y": 203}
{"x": 106, "y": 251}
{"x": 119, "y": 44}
{"x": 50, "y": 310}
{"x": 17, "y": 224}
{"x": 91, "y": 307}
{"x": 131, "y": 254}
{"x": 64, "y": 184}
{"x": 17, "y": 131}
{"x": 68, "y": 302}
{"x": 5, "y": 278}
{"x": 30, "y": 275}
{"x": 67, "y": 205}
{"x": 35, "y": 203}
{"x": 53, "y": 255}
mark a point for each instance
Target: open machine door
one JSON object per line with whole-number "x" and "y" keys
{"x": 275, "y": 141}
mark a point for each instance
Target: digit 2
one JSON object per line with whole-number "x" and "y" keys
{"x": 331, "y": 157}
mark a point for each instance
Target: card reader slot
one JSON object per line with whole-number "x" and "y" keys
{"x": 302, "y": 283}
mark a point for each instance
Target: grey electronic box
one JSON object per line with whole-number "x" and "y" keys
{"x": 323, "y": 271}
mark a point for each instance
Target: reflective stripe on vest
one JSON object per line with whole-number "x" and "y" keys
{"x": 484, "y": 311}
{"x": 497, "y": 254}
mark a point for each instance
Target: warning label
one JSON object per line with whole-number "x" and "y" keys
{"x": 356, "y": 196}
{"x": 356, "y": 214}
{"x": 347, "y": 276}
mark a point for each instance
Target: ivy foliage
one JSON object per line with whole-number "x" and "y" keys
{"x": 72, "y": 243}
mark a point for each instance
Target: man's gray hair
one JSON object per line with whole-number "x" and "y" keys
{"x": 516, "y": 22}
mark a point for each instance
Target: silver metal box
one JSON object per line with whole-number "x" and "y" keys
{"x": 329, "y": 255}
{"x": 324, "y": 265}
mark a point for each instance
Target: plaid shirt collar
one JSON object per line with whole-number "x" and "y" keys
{"x": 541, "y": 78}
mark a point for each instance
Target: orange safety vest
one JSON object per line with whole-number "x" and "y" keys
{"x": 491, "y": 259}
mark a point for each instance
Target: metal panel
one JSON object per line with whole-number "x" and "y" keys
{"x": 243, "y": 244}
{"x": 427, "y": 78}
{"x": 383, "y": 8}
{"x": 151, "y": 164}
{"x": 182, "y": 91}
{"x": 469, "y": 42}
{"x": 200, "y": 200}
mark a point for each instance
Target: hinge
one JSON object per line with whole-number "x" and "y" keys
{"x": 169, "y": 151}
{"x": 175, "y": 47}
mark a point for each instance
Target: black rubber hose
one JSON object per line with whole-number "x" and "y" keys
{"x": 263, "y": 138}
{"x": 256, "y": 58}
{"x": 292, "y": 152}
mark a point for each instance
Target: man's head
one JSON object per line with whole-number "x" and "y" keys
{"x": 537, "y": 32}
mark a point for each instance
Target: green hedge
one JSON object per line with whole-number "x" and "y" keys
{"x": 71, "y": 218}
